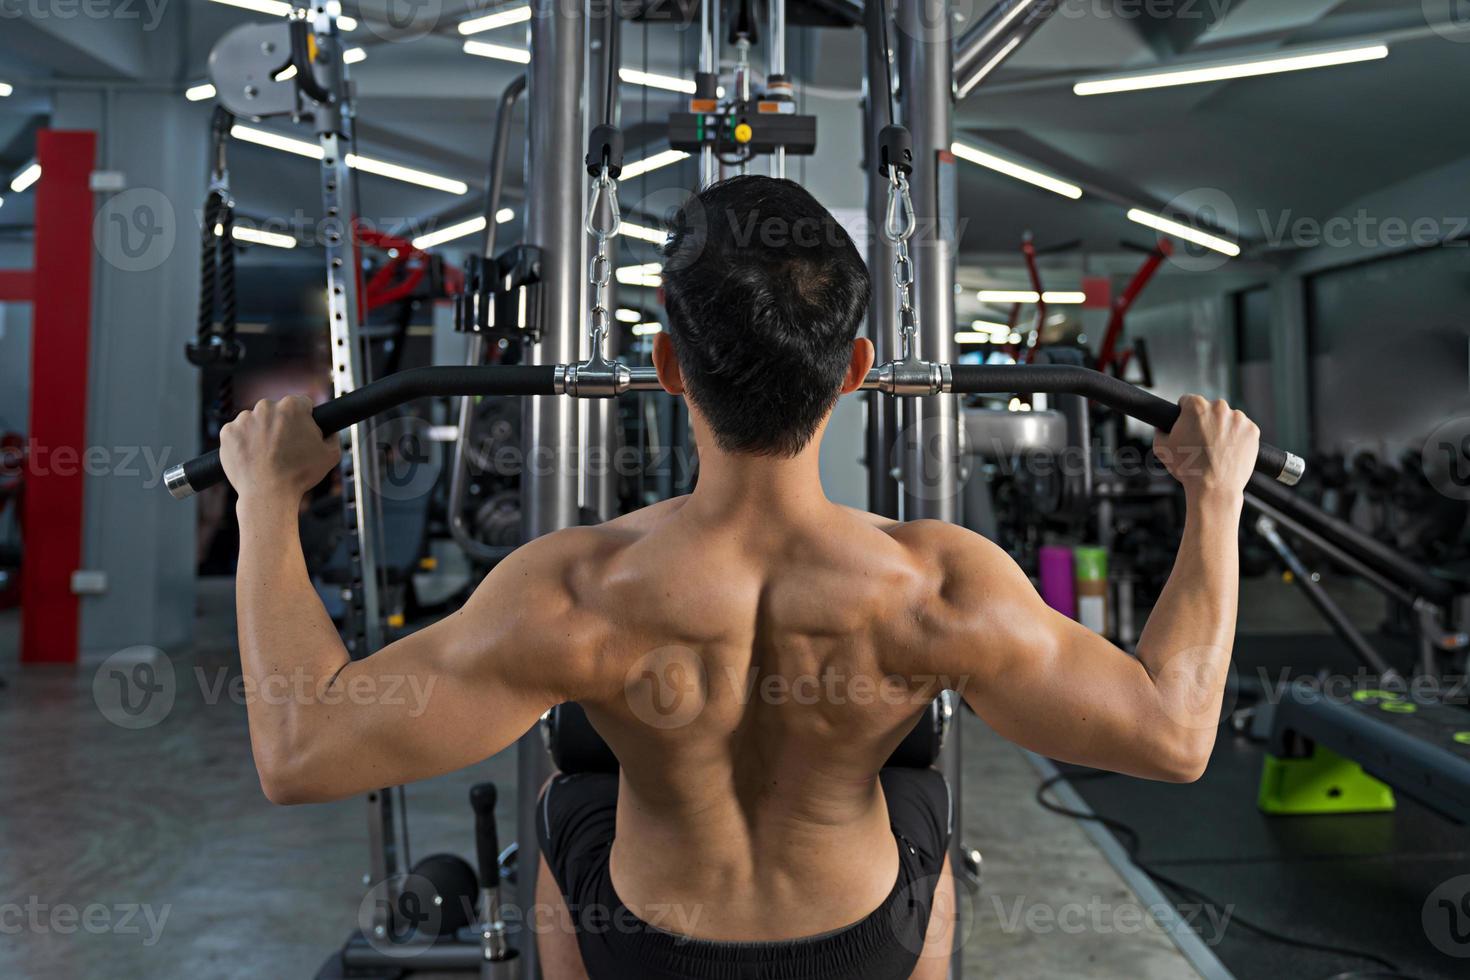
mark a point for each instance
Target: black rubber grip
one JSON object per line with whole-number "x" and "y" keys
{"x": 487, "y": 841}
{"x": 205, "y": 471}
{"x": 980, "y": 379}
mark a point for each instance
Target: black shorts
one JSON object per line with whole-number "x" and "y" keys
{"x": 576, "y": 824}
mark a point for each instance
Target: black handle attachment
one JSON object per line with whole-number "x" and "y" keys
{"x": 977, "y": 379}
{"x": 203, "y": 472}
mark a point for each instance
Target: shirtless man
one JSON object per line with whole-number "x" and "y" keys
{"x": 752, "y": 652}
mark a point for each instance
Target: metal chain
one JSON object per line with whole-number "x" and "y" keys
{"x": 603, "y": 222}
{"x": 898, "y": 227}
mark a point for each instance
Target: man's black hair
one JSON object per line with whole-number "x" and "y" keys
{"x": 765, "y": 292}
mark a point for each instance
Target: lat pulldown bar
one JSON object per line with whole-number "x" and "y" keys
{"x": 908, "y": 378}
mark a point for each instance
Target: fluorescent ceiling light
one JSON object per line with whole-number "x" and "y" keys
{"x": 642, "y": 233}
{"x": 462, "y": 229}
{"x": 1007, "y": 296}
{"x": 969, "y": 337}
{"x": 1060, "y": 297}
{"x": 264, "y": 137}
{"x": 629, "y": 316}
{"x": 368, "y": 165}
{"x": 276, "y": 8}
{"x": 1225, "y": 71}
{"x": 641, "y": 275}
{"x": 1180, "y": 230}
{"x": 990, "y": 326}
{"x": 1010, "y": 169}
{"x": 198, "y": 93}
{"x": 27, "y": 176}
{"x": 501, "y": 52}
{"x": 256, "y": 236}
{"x": 648, "y": 79}
{"x": 5, "y": 89}
{"x": 501, "y": 18}
{"x": 408, "y": 175}
{"x": 646, "y": 329}
{"x": 660, "y": 159}
{"x": 470, "y": 227}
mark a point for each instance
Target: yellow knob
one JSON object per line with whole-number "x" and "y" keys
{"x": 743, "y": 133}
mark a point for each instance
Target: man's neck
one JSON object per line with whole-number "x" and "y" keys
{"x": 736, "y": 484}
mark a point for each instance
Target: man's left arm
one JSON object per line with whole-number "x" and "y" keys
{"x": 323, "y": 726}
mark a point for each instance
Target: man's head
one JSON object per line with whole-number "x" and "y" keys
{"x": 765, "y": 292}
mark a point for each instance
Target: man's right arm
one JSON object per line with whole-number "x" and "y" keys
{"x": 1053, "y": 686}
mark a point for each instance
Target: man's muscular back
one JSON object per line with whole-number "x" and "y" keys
{"x": 752, "y": 675}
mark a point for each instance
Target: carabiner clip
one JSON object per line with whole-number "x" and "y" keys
{"x": 603, "y": 216}
{"x": 899, "y": 220}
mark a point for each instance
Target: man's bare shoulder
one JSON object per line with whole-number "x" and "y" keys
{"x": 540, "y": 603}
{"x": 945, "y": 546}
{"x": 945, "y": 554}
{"x": 554, "y": 557}
{"x": 974, "y": 578}
{"x": 574, "y": 567}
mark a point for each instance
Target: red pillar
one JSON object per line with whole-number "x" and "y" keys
{"x": 15, "y": 286}
{"x": 60, "y": 330}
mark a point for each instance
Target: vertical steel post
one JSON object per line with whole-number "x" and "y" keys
{"x": 931, "y": 425}
{"x": 387, "y": 831}
{"x": 709, "y": 61}
{"x": 554, "y": 220}
{"x": 776, "y": 65}
{"x": 930, "y": 465}
{"x": 882, "y": 410}
{"x": 554, "y": 223}
{"x": 601, "y": 419}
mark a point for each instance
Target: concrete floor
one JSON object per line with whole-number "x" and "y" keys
{"x": 151, "y": 852}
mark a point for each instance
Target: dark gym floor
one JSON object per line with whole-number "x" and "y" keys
{"x": 163, "y": 838}
{"x": 1356, "y": 881}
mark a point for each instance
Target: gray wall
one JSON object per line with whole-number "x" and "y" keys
{"x": 15, "y": 346}
{"x": 143, "y": 407}
{"x": 1390, "y": 348}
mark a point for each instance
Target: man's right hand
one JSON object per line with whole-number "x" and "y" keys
{"x": 1211, "y": 449}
